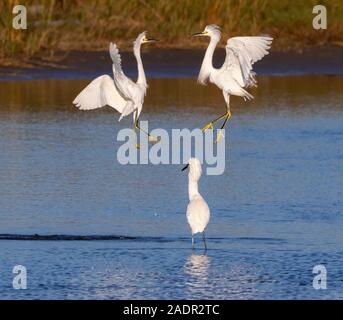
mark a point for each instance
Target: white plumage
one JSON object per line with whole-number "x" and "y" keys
{"x": 236, "y": 74}
{"x": 120, "y": 93}
{"x": 198, "y": 212}
{"x": 100, "y": 92}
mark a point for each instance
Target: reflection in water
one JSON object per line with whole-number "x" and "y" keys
{"x": 196, "y": 267}
{"x": 236, "y": 280}
{"x": 295, "y": 93}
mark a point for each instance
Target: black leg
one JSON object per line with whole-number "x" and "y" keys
{"x": 204, "y": 239}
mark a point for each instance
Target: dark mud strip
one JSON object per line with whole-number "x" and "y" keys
{"x": 176, "y": 63}
{"x": 65, "y": 237}
{"x": 62, "y": 237}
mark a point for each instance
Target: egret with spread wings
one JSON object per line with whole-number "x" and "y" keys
{"x": 120, "y": 93}
{"x": 236, "y": 73}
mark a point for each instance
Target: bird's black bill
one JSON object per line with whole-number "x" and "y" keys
{"x": 184, "y": 168}
{"x": 197, "y": 34}
{"x": 152, "y": 40}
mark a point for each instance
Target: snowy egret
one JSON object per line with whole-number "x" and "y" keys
{"x": 120, "y": 93}
{"x": 236, "y": 73}
{"x": 198, "y": 212}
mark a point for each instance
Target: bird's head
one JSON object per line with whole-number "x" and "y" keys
{"x": 194, "y": 166}
{"x": 142, "y": 38}
{"x": 212, "y": 30}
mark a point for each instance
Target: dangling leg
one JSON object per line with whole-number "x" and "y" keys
{"x": 220, "y": 134}
{"x": 210, "y": 124}
{"x": 204, "y": 239}
{"x": 137, "y": 127}
{"x": 192, "y": 241}
{"x": 227, "y": 117}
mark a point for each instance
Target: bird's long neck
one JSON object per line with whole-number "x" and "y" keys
{"x": 207, "y": 65}
{"x": 141, "y": 74}
{"x": 192, "y": 188}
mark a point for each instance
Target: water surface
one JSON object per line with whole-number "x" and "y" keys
{"x": 276, "y": 211}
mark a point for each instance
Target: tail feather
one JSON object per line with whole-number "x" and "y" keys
{"x": 247, "y": 95}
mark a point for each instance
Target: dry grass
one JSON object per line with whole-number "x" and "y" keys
{"x": 61, "y": 25}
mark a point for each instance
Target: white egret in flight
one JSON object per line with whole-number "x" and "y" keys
{"x": 236, "y": 73}
{"x": 120, "y": 93}
{"x": 198, "y": 212}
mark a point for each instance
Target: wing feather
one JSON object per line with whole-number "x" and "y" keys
{"x": 99, "y": 93}
{"x": 242, "y": 53}
{"x": 122, "y": 82}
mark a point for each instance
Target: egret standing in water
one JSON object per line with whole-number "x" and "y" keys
{"x": 236, "y": 73}
{"x": 198, "y": 212}
{"x": 120, "y": 93}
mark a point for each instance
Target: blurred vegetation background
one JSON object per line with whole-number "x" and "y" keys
{"x": 63, "y": 25}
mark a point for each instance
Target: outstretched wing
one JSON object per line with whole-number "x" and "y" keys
{"x": 99, "y": 93}
{"x": 242, "y": 53}
{"x": 122, "y": 82}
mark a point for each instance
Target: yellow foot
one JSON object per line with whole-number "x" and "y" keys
{"x": 138, "y": 146}
{"x": 219, "y": 137}
{"x": 153, "y": 139}
{"x": 208, "y": 126}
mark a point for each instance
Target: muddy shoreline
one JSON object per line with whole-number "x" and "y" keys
{"x": 175, "y": 63}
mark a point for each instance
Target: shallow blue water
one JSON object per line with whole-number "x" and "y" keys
{"x": 232, "y": 269}
{"x": 276, "y": 211}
